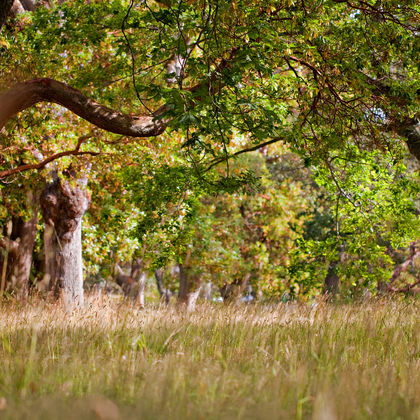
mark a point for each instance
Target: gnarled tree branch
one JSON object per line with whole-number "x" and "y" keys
{"x": 27, "y": 94}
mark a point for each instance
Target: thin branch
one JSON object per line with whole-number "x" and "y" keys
{"x": 133, "y": 61}
{"x": 240, "y": 152}
{"x": 75, "y": 152}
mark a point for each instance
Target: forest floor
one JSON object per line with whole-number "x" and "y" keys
{"x": 116, "y": 361}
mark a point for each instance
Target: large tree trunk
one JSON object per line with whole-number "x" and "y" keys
{"x": 63, "y": 207}
{"x": 189, "y": 288}
{"x": 22, "y": 267}
{"x": 17, "y": 247}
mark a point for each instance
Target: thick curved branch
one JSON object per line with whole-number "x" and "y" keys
{"x": 27, "y": 94}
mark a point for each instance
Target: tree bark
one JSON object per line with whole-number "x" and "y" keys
{"x": 27, "y": 94}
{"x": 141, "y": 287}
{"x": 232, "y": 292}
{"x": 331, "y": 282}
{"x": 17, "y": 8}
{"x": 28, "y": 4}
{"x": 63, "y": 207}
{"x": 18, "y": 249}
{"x": 164, "y": 293}
{"x": 414, "y": 253}
{"x": 133, "y": 285}
{"x": 5, "y": 6}
{"x": 189, "y": 288}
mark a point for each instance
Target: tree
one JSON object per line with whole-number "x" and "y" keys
{"x": 324, "y": 77}
{"x": 17, "y": 246}
{"x": 63, "y": 206}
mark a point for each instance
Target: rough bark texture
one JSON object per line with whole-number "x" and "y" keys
{"x": 16, "y": 261}
{"x": 25, "y": 95}
{"x": 63, "y": 206}
{"x": 5, "y": 6}
{"x": 189, "y": 288}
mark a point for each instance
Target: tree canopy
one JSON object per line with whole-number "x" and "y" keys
{"x": 319, "y": 75}
{"x": 171, "y": 96}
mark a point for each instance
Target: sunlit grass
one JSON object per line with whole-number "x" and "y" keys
{"x": 289, "y": 361}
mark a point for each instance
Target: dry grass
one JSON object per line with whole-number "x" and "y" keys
{"x": 114, "y": 361}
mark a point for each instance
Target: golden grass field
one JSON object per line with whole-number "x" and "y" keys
{"x": 291, "y": 361}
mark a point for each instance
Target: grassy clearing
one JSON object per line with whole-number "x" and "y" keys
{"x": 289, "y": 361}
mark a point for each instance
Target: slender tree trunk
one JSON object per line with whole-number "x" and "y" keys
{"x": 141, "y": 286}
{"x": 331, "y": 282}
{"x": 138, "y": 278}
{"x": 208, "y": 291}
{"x": 15, "y": 264}
{"x": 125, "y": 281}
{"x": 22, "y": 265}
{"x": 232, "y": 292}
{"x": 133, "y": 285}
{"x": 63, "y": 207}
{"x": 164, "y": 293}
{"x": 189, "y": 288}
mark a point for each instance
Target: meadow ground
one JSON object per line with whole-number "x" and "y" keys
{"x": 115, "y": 361}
